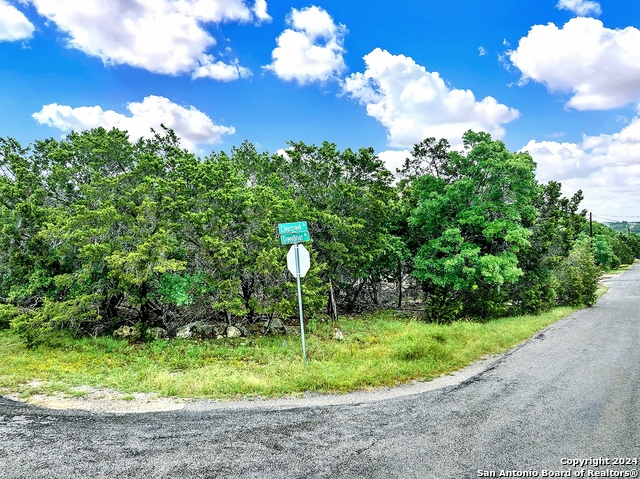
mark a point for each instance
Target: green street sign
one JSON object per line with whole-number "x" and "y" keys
{"x": 291, "y": 238}
{"x": 298, "y": 227}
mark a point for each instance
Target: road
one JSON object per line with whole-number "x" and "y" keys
{"x": 571, "y": 392}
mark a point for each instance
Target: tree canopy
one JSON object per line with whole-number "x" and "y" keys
{"x": 97, "y": 231}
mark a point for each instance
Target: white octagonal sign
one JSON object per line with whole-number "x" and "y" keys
{"x": 303, "y": 258}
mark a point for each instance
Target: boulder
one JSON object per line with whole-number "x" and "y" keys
{"x": 126, "y": 332}
{"x": 220, "y": 329}
{"x": 202, "y": 330}
{"x": 196, "y": 329}
{"x": 185, "y": 331}
{"x": 233, "y": 332}
{"x": 274, "y": 326}
{"x": 337, "y": 334}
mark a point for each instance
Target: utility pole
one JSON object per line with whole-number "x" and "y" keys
{"x": 591, "y": 227}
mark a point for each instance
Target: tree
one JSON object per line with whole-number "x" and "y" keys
{"x": 472, "y": 216}
{"x": 557, "y": 226}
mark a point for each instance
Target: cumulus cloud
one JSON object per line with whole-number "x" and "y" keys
{"x": 162, "y": 36}
{"x": 220, "y": 70}
{"x": 259, "y": 9}
{"x": 311, "y": 49}
{"x": 13, "y": 24}
{"x": 413, "y": 103}
{"x": 604, "y": 167}
{"x": 598, "y": 66}
{"x": 580, "y": 7}
{"x": 394, "y": 159}
{"x": 189, "y": 123}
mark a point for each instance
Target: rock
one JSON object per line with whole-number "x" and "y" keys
{"x": 197, "y": 329}
{"x": 274, "y": 326}
{"x": 185, "y": 331}
{"x": 233, "y": 332}
{"x": 156, "y": 333}
{"x": 220, "y": 329}
{"x": 202, "y": 330}
{"x": 337, "y": 334}
{"x": 126, "y": 332}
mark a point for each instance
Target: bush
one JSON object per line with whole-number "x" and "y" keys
{"x": 39, "y": 326}
{"x": 578, "y": 276}
{"x": 603, "y": 253}
{"x": 8, "y": 313}
{"x": 622, "y": 250}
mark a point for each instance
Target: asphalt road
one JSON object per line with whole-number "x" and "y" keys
{"x": 572, "y": 392}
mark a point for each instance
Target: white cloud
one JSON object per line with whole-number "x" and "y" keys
{"x": 580, "y": 7}
{"x": 414, "y": 104}
{"x": 190, "y": 124}
{"x": 604, "y": 167}
{"x": 220, "y": 70}
{"x": 311, "y": 50}
{"x": 13, "y": 24}
{"x": 481, "y": 51}
{"x": 599, "y": 66}
{"x": 162, "y": 36}
{"x": 394, "y": 159}
{"x": 259, "y": 9}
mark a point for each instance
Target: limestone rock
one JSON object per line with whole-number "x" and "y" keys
{"x": 233, "y": 332}
{"x": 126, "y": 332}
{"x": 274, "y": 326}
{"x": 185, "y": 331}
{"x": 203, "y": 330}
{"x": 337, "y": 334}
{"x": 197, "y": 329}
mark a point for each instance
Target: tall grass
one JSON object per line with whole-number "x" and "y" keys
{"x": 380, "y": 350}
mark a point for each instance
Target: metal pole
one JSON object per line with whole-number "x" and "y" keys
{"x": 304, "y": 348}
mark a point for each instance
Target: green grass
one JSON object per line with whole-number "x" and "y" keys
{"x": 379, "y": 350}
{"x": 620, "y": 269}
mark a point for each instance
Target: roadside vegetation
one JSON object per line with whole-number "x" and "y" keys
{"x": 383, "y": 349}
{"x": 101, "y": 235}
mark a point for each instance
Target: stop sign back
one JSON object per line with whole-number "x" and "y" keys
{"x": 303, "y": 258}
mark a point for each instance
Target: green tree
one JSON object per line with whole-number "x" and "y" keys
{"x": 578, "y": 275}
{"x": 473, "y": 215}
{"x": 557, "y": 226}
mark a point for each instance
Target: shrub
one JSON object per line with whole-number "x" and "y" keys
{"x": 8, "y": 312}
{"x": 578, "y": 276}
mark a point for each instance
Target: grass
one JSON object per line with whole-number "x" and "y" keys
{"x": 378, "y": 350}
{"x": 620, "y": 269}
{"x": 600, "y": 291}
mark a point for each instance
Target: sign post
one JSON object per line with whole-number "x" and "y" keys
{"x": 298, "y": 263}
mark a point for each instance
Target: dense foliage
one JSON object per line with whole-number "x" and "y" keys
{"x": 97, "y": 231}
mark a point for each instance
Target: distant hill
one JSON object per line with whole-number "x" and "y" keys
{"x": 623, "y": 226}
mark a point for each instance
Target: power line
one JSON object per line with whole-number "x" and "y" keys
{"x": 612, "y": 220}
{"x": 614, "y": 216}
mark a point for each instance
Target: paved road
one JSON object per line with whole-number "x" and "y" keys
{"x": 571, "y": 392}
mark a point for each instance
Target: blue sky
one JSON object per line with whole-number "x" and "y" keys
{"x": 559, "y": 78}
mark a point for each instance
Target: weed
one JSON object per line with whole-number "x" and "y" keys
{"x": 383, "y": 349}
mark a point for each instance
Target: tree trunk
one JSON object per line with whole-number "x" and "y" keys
{"x": 399, "y": 284}
{"x": 374, "y": 291}
{"x": 331, "y": 306}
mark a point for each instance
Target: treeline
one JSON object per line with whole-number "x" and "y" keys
{"x": 98, "y": 231}
{"x": 625, "y": 227}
